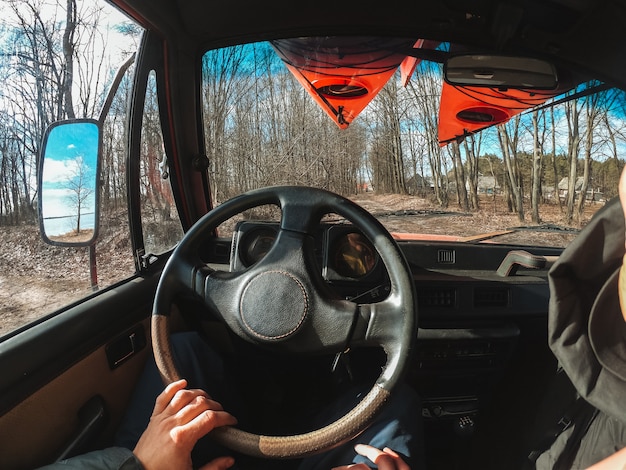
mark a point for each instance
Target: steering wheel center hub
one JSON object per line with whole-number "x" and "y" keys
{"x": 273, "y": 305}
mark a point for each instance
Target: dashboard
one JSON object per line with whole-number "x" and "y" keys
{"x": 482, "y": 317}
{"x": 454, "y": 281}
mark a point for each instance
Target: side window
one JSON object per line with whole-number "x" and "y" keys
{"x": 37, "y": 279}
{"x": 161, "y": 225}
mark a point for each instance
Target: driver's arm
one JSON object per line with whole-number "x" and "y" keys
{"x": 179, "y": 419}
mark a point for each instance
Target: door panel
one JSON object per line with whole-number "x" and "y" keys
{"x": 53, "y": 369}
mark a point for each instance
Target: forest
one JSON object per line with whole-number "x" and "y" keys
{"x": 58, "y": 59}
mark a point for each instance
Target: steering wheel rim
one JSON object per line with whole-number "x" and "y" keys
{"x": 390, "y": 323}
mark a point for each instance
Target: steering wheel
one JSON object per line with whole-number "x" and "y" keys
{"x": 282, "y": 302}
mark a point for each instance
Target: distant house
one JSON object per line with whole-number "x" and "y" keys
{"x": 419, "y": 184}
{"x": 486, "y": 185}
{"x": 564, "y": 186}
{"x": 592, "y": 195}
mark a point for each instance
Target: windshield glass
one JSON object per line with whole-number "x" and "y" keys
{"x": 374, "y": 120}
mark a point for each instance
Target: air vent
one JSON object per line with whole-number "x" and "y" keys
{"x": 436, "y": 298}
{"x": 446, "y": 256}
{"x": 491, "y": 297}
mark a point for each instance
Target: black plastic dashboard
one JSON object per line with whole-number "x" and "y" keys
{"x": 454, "y": 281}
{"x": 482, "y": 313}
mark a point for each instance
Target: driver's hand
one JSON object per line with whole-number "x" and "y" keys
{"x": 385, "y": 459}
{"x": 179, "y": 419}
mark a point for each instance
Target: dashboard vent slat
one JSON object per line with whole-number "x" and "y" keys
{"x": 491, "y": 297}
{"x": 436, "y": 298}
{"x": 446, "y": 256}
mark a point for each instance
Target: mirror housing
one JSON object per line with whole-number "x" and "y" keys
{"x": 68, "y": 182}
{"x": 499, "y": 71}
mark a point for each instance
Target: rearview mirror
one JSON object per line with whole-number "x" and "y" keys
{"x": 68, "y": 177}
{"x": 499, "y": 71}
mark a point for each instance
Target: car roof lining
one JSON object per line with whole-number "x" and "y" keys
{"x": 584, "y": 33}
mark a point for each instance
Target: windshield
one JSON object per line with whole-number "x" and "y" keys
{"x": 373, "y": 120}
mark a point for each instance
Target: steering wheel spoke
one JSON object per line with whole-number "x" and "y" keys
{"x": 300, "y": 215}
{"x": 377, "y": 323}
{"x": 217, "y": 289}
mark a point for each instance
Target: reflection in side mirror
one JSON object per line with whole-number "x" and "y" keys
{"x": 500, "y": 71}
{"x": 68, "y": 183}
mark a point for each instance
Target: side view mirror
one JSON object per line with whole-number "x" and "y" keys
{"x": 68, "y": 176}
{"x": 498, "y": 71}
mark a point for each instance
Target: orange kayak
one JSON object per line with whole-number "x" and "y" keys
{"x": 465, "y": 110}
{"x": 339, "y": 73}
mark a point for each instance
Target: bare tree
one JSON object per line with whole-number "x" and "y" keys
{"x": 595, "y": 106}
{"x": 387, "y": 151}
{"x": 471, "y": 144}
{"x": 425, "y": 89}
{"x": 508, "y": 144}
{"x": 224, "y": 82}
{"x": 536, "y": 171}
{"x": 459, "y": 175}
{"x": 80, "y": 183}
{"x": 613, "y": 142}
{"x": 572, "y": 113}
{"x": 554, "y": 165}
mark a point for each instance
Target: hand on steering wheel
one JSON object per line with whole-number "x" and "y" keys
{"x": 179, "y": 419}
{"x": 385, "y": 459}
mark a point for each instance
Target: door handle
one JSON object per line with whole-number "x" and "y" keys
{"x": 126, "y": 346}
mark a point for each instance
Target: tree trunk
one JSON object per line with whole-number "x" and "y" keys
{"x": 592, "y": 111}
{"x": 554, "y": 165}
{"x": 536, "y": 184}
{"x": 472, "y": 171}
{"x": 68, "y": 56}
{"x": 572, "y": 114}
{"x": 512, "y": 174}
{"x": 459, "y": 176}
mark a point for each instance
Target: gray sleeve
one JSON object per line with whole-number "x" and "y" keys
{"x": 605, "y": 436}
{"x": 112, "y": 458}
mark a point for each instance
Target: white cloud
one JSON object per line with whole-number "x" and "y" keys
{"x": 59, "y": 171}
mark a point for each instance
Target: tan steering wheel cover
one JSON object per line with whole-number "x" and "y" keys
{"x": 277, "y": 447}
{"x": 280, "y": 447}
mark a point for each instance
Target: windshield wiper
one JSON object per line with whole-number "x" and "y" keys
{"x": 417, "y": 212}
{"x": 507, "y": 231}
{"x": 546, "y": 228}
